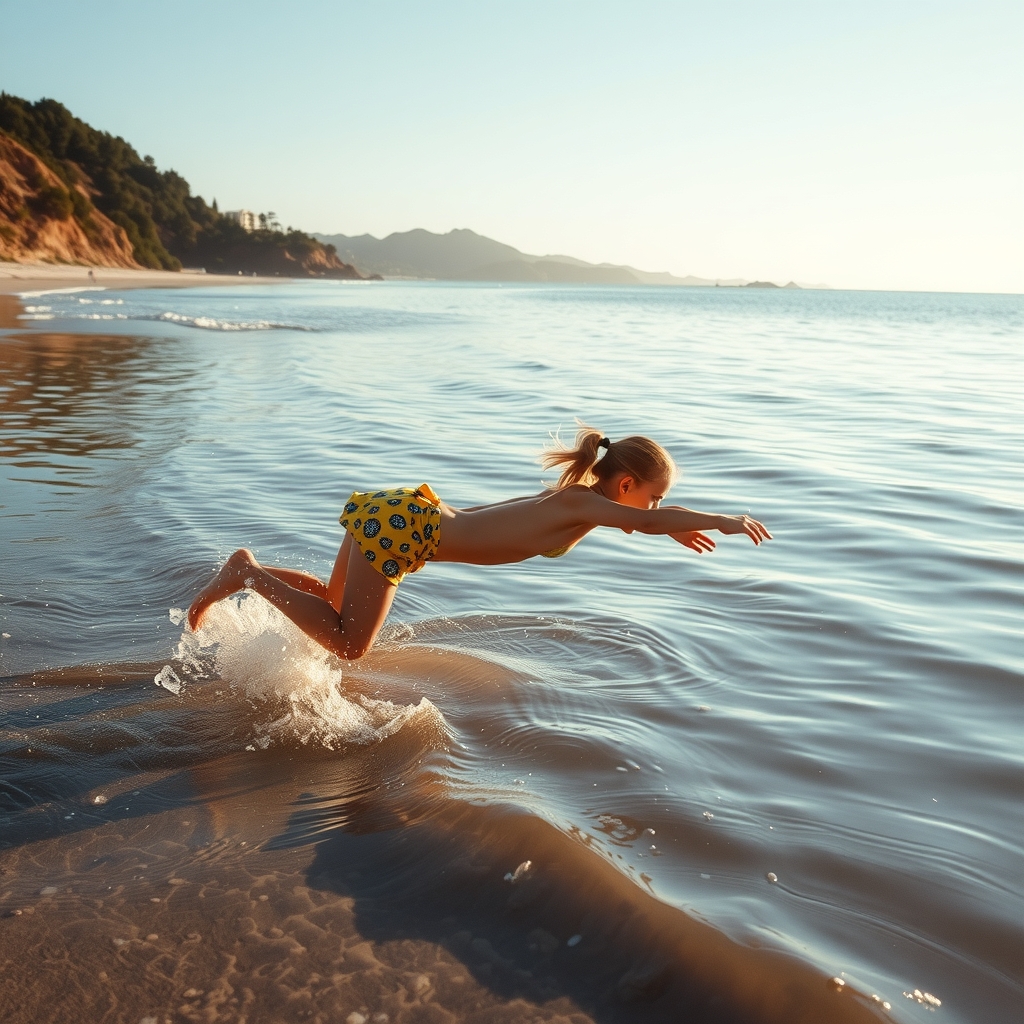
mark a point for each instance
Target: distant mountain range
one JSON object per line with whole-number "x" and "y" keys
{"x": 463, "y": 255}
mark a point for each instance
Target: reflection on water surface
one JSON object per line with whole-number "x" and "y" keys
{"x": 768, "y": 784}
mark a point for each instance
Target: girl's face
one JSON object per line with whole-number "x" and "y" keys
{"x": 646, "y": 494}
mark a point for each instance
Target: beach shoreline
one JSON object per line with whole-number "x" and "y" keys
{"x": 30, "y": 277}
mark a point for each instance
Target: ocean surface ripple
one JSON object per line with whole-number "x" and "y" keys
{"x": 634, "y": 783}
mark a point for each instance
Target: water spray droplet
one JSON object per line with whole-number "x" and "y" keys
{"x": 168, "y": 679}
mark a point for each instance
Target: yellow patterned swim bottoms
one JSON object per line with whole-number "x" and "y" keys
{"x": 398, "y": 530}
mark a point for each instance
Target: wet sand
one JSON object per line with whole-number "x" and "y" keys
{"x": 27, "y": 277}
{"x": 228, "y": 891}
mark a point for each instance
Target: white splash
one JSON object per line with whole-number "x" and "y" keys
{"x": 293, "y": 685}
{"x": 168, "y": 679}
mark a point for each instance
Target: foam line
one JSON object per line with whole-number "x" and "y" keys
{"x": 60, "y": 291}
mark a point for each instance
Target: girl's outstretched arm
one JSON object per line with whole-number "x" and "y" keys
{"x": 724, "y": 524}
{"x": 670, "y": 520}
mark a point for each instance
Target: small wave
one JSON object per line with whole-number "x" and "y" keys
{"x": 209, "y": 323}
{"x": 293, "y": 685}
{"x": 206, "y": 323}
{"x": 48, "y": 313}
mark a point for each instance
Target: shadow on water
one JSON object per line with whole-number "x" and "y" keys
{"x": 536, "y": 913}
{"x": 69, "y": 737}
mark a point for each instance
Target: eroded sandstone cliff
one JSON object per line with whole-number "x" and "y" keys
{"x": 43, "y": 219}
{"x": 70, "y": 193}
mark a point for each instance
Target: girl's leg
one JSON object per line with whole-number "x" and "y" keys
{"x": 336, "y": 586}
{"x": 300, "y": 580}
{"x": 226, "y": 583}
{"x": 366, "y": 600}
{"x": 311, "y": 584}
{"x": 365, "y": 604}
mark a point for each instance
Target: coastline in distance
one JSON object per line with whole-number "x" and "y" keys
{"x": 463, "y": 255}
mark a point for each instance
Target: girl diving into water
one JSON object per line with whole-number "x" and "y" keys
{"x": 391, "y": 533}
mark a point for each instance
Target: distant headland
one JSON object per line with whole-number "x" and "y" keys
{"x": 74, "y": 195}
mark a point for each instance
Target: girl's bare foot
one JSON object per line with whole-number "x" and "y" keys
{"x": 229, "y": 580}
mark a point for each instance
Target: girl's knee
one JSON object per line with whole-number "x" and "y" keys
{"x": 352, "y": 649}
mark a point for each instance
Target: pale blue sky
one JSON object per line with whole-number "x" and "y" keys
{"x": 867, "y": 145}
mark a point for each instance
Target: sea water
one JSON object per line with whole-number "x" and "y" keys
{"x": 633, "y": 783}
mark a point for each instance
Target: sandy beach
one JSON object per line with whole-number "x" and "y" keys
{"x": 25, "y": 277}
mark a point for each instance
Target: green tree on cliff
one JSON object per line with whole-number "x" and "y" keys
{"x": 164, "y": 222}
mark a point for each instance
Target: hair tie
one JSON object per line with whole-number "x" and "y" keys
{"x": 604, "y": 443}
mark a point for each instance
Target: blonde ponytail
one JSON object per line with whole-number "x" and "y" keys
{"x": 643, "y": 459}
{"x": 579, "y": 461}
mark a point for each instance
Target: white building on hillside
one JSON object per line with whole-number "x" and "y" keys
{"x": 246, "y": 218}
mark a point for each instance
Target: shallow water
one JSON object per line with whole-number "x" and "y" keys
{"x": 763, "y": 784}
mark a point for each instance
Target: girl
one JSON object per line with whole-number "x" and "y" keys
{"x": 391, "y": 533}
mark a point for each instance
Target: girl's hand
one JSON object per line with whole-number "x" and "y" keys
{"x": 695, "y": 540}
{"x": 743, "y": 524}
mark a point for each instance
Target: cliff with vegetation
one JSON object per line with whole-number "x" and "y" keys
{"x": 72, "y": 194}
{"x": 41, "y": 218}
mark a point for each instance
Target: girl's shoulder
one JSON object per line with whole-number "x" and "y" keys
{"x": 578, "y": 500}
{"x": 571, "y": 495}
